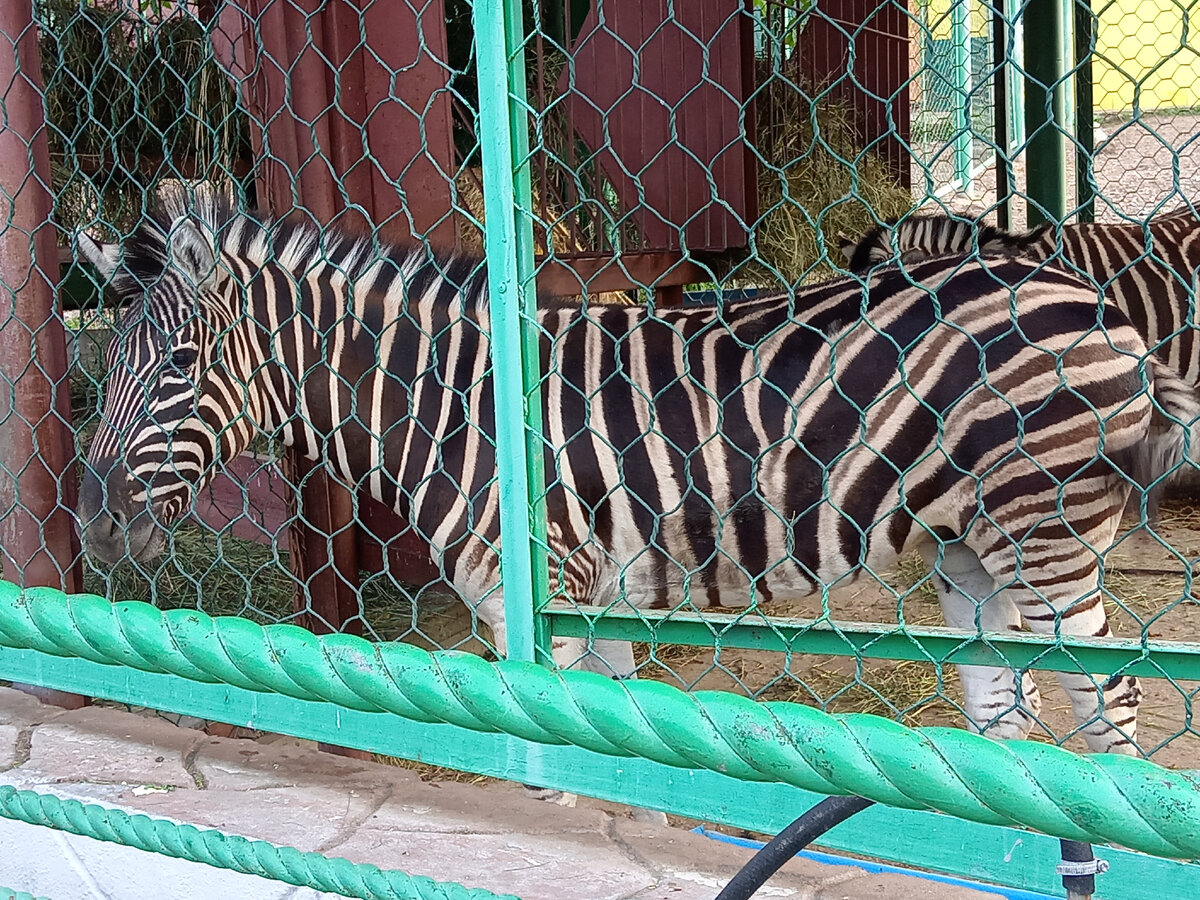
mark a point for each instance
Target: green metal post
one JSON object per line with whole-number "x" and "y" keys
{"x": 504, "y": 142}
{"x": 1085, "y": 45}
{"x": 1012, "y": 75}
{"x": 1045, "y": 115}
{"x": 1000, "y": 113}
{"x": 960, "y": 42}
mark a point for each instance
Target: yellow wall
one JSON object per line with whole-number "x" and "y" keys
{"x": 1137, "y": 41}
{"x": 1135, "y": 37}
{"x": 939, "y": 19}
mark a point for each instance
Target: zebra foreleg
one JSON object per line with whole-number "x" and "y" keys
{"x": 969, "y": 601}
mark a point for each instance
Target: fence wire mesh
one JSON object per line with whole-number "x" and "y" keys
{"x": 681, "y": 155}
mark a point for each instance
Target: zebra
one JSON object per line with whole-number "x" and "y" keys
{"x": 1148, "y": 270}
{"x": 758, "y": 449}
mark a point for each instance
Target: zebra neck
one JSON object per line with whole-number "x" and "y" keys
{"x": 382, "y": 393}
{"x": 1040, "y": 243}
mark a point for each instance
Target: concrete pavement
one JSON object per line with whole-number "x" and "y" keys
{"x": 287, "y": 792}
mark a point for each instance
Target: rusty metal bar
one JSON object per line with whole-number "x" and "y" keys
{"x": 38, "y": 542}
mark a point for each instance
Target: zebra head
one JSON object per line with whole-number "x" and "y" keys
{"x": 178, "y": 396}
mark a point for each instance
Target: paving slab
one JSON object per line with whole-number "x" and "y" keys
{"x": 694, "y": 858}
{"x": 13, "y": 744}
{"x": 890, "y": 886}
{"x": 452, "y": 808}
{"x": 289, "y": 793}
{"x": 99, "y": 744}
{"x": 225, "y": 764}
{"x": 21, "y": 709}
{"x": 313, "y": 819}
{"x": 573, "y": 865}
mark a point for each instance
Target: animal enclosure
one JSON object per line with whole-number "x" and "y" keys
{"x": 487, "y": 346}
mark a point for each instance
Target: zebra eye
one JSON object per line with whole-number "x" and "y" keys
{"x": 183, "y": 358}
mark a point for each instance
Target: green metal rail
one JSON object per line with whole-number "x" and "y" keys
{"x": 515, "y": 360}
{"x": 1101, "y": 799}
{"x": 1045, "y": 110}
{"x": 868, "y": 640}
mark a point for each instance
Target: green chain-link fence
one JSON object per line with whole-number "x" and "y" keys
{"x": 617, "y": 156}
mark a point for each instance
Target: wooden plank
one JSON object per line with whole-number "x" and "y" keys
{"x": 382, "y": 531}
{"x": 877, "y": 94}
{"x": 189, "y": 167}
{"x": 249, "y": 498}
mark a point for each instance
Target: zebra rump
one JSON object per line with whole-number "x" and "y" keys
{"x": 988, "y": 414}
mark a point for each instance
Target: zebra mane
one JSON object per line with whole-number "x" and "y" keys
{"x": 295, "y": 241}
{"x": 144, "y": 254}
{"x": 931, "y": 235}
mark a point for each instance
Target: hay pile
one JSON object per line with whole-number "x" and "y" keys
{"x": 124, "y": 92}
{"x": 814, "y": 179}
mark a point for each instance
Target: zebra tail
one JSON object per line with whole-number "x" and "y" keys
{"x": 1171, "y": 450}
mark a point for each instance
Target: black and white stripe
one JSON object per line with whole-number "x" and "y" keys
{"x": 765, "y": 448}
{"x": 1149, "y": 270}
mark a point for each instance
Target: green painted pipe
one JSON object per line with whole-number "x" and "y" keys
{"x": 504, "y": 145}
{"x": 225, "y": 851}
{"x": 960, "y": 45}
{"x": 1099, "y": 799}
{"x": 1045, "y": 111}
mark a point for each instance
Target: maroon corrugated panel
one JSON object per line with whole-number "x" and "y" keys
{"x": 332, "y": 117}
{"x": 876, "y": 86}
{"x": 337, "y": 124}
{"x": 658, "y": 90}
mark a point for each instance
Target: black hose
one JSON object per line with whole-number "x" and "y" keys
{"x": 767, "y": 861}
{"x": 1080, "y": 885}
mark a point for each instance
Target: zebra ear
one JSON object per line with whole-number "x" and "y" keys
{"x": 848, "y": 246}
{"x": 105, "y": 257}
{"x": 192, "y": 254}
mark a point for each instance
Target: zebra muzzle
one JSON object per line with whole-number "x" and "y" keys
{"x": 113, "y": 525}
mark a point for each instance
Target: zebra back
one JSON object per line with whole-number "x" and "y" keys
{"x": 1148, "y": 269}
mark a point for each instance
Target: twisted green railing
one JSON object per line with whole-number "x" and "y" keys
{"x": 239, "y": 854}
{"x": 10, "y": 894}
{"x": 1105, "y": 799}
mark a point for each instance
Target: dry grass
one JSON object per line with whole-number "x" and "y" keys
{"x": 814, "y": 182}
{"x": 431, "y": 773}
